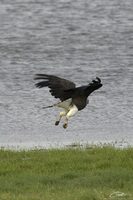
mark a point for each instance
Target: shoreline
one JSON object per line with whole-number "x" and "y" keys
{"x": 55, "y": 145}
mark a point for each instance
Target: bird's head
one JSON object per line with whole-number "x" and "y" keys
{"x": 96, "y": 83}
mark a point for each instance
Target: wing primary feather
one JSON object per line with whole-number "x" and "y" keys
{"x": 42, "y": 84}
{"x": 56, "y": 84}
{"x": 44, "y": 76}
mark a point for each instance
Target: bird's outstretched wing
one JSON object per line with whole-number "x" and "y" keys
{"x": 57, "y": 85}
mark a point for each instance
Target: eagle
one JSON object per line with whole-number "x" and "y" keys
{"x": 72, "y": 98}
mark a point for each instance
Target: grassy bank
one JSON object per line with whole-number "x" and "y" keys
{"x": 71, "y": 174}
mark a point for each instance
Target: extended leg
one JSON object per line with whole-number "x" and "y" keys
{"x": 71, "y": 113}
{"x": 66, "y": 122}
{"x": 63, "y": 113}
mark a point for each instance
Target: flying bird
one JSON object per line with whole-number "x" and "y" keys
{"x": 73, "y": 99}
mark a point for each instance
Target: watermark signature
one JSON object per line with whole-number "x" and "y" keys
{"x": 120, "y": 196}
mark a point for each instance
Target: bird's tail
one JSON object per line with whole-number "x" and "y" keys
{"x": 48, "y": 106}
{"x": 58, "y": 104}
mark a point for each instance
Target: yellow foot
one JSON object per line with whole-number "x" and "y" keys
{"x": 65, "y": 125}
{"x": 57, "y": 122}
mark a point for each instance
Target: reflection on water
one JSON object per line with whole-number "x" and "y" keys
{"x": 74, "y": 40}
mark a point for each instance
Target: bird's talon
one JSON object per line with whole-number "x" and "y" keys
{"x": 57, "y": 122}
{"x": 65, "y": 125}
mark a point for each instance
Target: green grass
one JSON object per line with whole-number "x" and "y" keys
{"x": 96, "y": 173}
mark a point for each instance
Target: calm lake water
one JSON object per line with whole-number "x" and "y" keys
{"x": 77, "y": 40}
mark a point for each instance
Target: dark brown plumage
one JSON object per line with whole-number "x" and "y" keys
{"x": 57, "y": 85}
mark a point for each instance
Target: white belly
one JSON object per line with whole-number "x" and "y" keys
{"x": 72, "y": 111}
{"x": 69, "y": 108}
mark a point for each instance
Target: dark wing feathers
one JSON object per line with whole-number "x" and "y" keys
{"x": 42, "y": 84}
{"x": 57, "y": 85}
